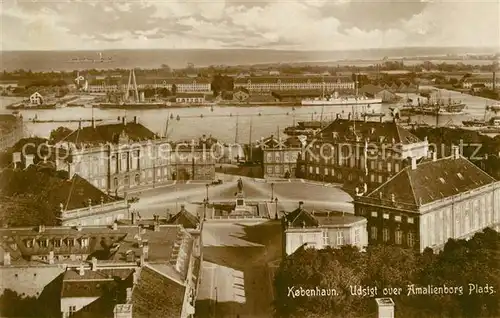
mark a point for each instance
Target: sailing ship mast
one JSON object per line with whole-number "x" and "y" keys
{"x": 236, "y": 134}
{"x": 250, "y": 139}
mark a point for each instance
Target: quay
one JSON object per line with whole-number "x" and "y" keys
{"x": 42, "y": 121}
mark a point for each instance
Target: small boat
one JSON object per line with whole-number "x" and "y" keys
{"x": 178, "y": 117}
{"x": 475, "y": 123}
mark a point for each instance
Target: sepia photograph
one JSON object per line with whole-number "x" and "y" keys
{"x": 249, "y": 159}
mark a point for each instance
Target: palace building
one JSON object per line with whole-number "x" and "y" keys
{"x": 355, "y": 152}
{"x": 279, "y": 156}
{"x": 426, "y": 204}
{"x": 124, "y": 156}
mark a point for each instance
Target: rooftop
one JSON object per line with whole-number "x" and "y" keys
{"x": 125, "y": 244}
{"x": 156, "y": 295}
{"x": 292, "y": 79}
{"x": 303, "y": 218}
{"x": 110, "y": 133}
{"x": 272, "y": 142}
{"x": 72, "y": 193}
{"x": 432, "y": 181}
{"x": 373, "y": 131}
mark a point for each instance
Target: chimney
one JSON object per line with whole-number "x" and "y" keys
{"x": 413, "y": 163}
{"x": 89, "y": 202}
{"x": 141, "y": 261}
{"x": 365, "y": 118}
{"x": 129, "y": 295}
{"x": 80, "y": 124}
{"x": 434, "y": 156}
{"x": 115, "y": 226}
{"x": 135, "y": 277}
{"x": 41, "y": 228}
{"x": 381, "y": 119}
{"x": 135, "y": 120}
{"x": 301, "y": 204}
{"x": 51, "y": 257}
{"x": 94, "y": 264}
{"x": 124, "y": 120}
{"x": 6, "y": 258}
{"x": 123, "y": 311}
{"x": 349, "y": 116}
{"x": 455, "y": 152}
{"x": 93, "y": 122}
{"x": 81, "y": 270}
{"x": 156, "y": 226}
{"x": 380, "y": 195}
{"x": 337, "y": 116}
{"x": 393, "y": 197}
{"x": 385, "y": 307}
{"x": 132, "y": 217}
{"x": 79, "y": 227}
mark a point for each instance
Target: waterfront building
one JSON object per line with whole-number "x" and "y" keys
{"x": 355, "y": 152}
{"x": 322, "y": 229}
{"x": 36, "y": 98}
{"x": 190, "y": 98}
{"x": 279, "y": 156}
{"x": 11, "y": 130}
{"x": 182, "y": 85}
{"x": 139, "y": 270}
{"x": 485, "y": 80}
{"x": 241, "y": 94}
{"x": 287, "y": 83}
{"x": 385, "y": 95}
{"x": 426, "y": 204}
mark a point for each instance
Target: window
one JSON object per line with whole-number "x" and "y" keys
{"x": 356, "y": 236}
{"x": 116, "y": 182}
{"x": 372, "y": 177}
{"x": 374, "y": 232}
{"x": 269, "y": 169}
{"x": 386, "y": 216}
{"x": 71, "y": 242}
{"x": 326, "y": 171}
{"x": 317, "y": 170}
{"x": 57, "y": 243}
{"x": 410, "y": 220}
{"x": 85, "y": 242}
{"x": 374, "y": 214}
{"x": 72, "y": 309}
{"x": 396, "y": 167}
{"x": 29, "y": 243}
{"x": 127, "y": 181}
{"x": 340, "y": 238}
{"x": 389, "y": 167}
{"x": 325, "y": 238}
{"x": 385, "y": 235}
{"x": 399, "y": 237}
{"x": 397, "y": 218}
{"x": 137, "y": 179}
{"x": 411, "y": 239}
{"x": 42, "y": 243}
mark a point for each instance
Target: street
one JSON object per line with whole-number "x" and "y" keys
{"x": 235, "y": 276}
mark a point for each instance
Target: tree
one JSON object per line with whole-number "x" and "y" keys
{"x": 14, "y": 305}
{"x": 59, "y": 134}
{"x": 174, "y": 89}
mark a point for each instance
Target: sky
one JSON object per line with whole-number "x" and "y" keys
{"x": 263, "y": 24}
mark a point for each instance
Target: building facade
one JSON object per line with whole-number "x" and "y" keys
{"x": 322, "y": 229}
{"x": 116, "y": 157}
{"x": 193, "y": 98}
{"x": 279, "y": 156}
{"x": 426, "y": 204}
{"x": 182, "y": 85}
{"x": 489, "y": 81}
{"x": 355, "y": 152}
{"x": 36, "y": 98}
{"x": 287, "y": 83}
{"x": 195, "y": 160}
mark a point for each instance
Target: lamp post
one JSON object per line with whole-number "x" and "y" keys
{"x": 206, "y": 186}
{"x": 272, "y": 191}
{"x": 216, "y": 300}
{"x": 205, "y": 203}
{"x": 276, "y": 208}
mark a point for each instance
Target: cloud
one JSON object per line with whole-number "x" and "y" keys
{"x": 278, "y": 24}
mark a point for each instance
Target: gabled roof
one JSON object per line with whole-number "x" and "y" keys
{"x": 370, "y": 89}
{"x": 101, "y": 134}
{"x": 157, "y": 296}
{"x": 300, "y": 217}
{"x": 55, "y": 190}
{"x": 431, "y": 181}
{"x": 185, "y": 218}
{"x": 274, "y": 143}
{"x": 368, "y": 130}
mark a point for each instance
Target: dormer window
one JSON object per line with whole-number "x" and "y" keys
{"x": 460, "y": 176}
{"x": 43, "y": 243}
{"x": 29, "y": 243}
{"x": 57, "y": 243}
{"x": 71, "y": 242}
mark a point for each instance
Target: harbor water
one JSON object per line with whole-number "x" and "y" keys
{"x": 231, "y": 123}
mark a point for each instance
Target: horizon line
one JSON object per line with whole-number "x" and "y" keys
{"x": 259, "y": 49}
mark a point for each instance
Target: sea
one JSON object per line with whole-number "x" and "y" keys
{"x": 38, "y": 61}
{"x": 229, "y": 124}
